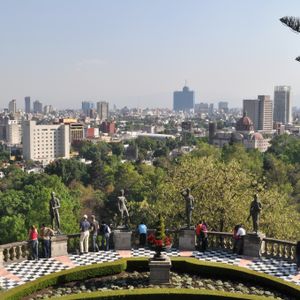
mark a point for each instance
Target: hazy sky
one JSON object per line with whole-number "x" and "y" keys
{"x": 137, "y": 52}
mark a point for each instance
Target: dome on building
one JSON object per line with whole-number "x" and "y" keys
{"x": 244, "y": 123}
{"x": 257, "y": 136}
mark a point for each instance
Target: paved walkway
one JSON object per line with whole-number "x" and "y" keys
{"x": 19, "y": 273}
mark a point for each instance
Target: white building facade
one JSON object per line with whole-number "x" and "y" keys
{"x": 45, "y": 143}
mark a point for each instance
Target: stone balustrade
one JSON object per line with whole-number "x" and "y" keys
{"x": 279, "y": 249}
{"x": 220, "y": 240}
{"x": 13, "y": 252}
{"x": 272, "y": 248}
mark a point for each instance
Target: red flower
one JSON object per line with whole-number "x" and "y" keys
{"x": 159, "y": 243}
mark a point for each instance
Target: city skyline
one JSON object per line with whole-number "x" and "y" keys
{"x": 138, "y": 54}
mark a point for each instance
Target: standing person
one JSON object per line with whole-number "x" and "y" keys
{"x": 235, "y": 238}
{"x": 94, "y": 232}
{"x": 240, "y": 239}
{"x": 84, "y": 235}
{"x": 198, "y": 232}
{"x": 33, "y": 241}
{"x": 45, "y": 235}
{"x": 105, "y": 233}
{"x": 298, "y": 255}
{"x": 142, "y": 229}
{"x": 203, "y": 235}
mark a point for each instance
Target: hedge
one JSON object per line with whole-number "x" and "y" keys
{"x": 187, "y": 265}
{"x": 219, "y": 270}
{"x": 163, "y": 293}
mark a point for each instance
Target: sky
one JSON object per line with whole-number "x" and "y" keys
{"x": 137, "y": 52}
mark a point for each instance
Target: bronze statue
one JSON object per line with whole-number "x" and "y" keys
{"x": 189, "y": 205}
{"x": 54, "y": 205}
{"x": 123, "y": 211}
{"x": 255, "y": 210}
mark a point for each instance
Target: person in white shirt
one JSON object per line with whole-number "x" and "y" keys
{"x": 241, "y": 232}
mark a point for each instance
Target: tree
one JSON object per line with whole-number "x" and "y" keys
{"x": 68, "y": 170}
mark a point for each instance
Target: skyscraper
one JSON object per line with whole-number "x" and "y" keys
{"x": 282, "y": 104}
{"x": 27, "y": 105}
{"x": 12, "y": 106}
{"x": 86, "y": 106}
{"x": 102, "y": 110}
{"x": 37, "y": 107}
{"x": 183, "y": 100}
{"x": 260, "y": 111}
{"x": 265, "y": 116}
{"x": 251, "y": 108}
{"x": 223, "y": 106}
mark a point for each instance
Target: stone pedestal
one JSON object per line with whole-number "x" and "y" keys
{"x": 254, "y": 244}
{"x": 122, "y": 239}
{"x": 59, "y": 245}
{"x": 187, "y": 239}
{"x": 160, "y": 271}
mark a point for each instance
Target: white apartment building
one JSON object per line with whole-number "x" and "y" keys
{"x": 13, "y": 132}
{"x": 45, "y": 143}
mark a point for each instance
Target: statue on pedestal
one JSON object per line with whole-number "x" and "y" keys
{"x": 189, "y": 205}
{"x": 255, "y": 210}
{"x": 54, "y": 205}
{"x": 122, "y": 208}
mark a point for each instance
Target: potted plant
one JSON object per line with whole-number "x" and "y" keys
{"x": 160, "y": 241}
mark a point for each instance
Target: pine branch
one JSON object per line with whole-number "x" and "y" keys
{"x": 292, "y": 22}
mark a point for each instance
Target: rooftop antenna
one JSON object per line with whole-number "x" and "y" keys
{"x": 185, "y": 82}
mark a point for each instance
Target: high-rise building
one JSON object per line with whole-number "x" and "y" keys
{"x": 102, "y": 110}
{"x": 45, "y": 143}
{"x": 223, "y": 106}
{"x": 251, "y": 108}
{"x": 265, "y": 116}
{"x": 13, "y": 132}
{"x": 183, "y": 100}
{"x": 12, "y": 106}
{"x": 260, "y": 111}
{"x": 86, "y": 106}
{"x": 27, "y": 105}
{"x": 37, "y": 107}
{"x": 282, "y": 104}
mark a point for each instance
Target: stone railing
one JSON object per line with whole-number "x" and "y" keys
{"x": 13, "y": 252}
{"x": 220, "y": 240}
{"x": 279, "y": 249}
{"x": 272, "y": 248}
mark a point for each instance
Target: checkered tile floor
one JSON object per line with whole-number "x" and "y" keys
{"x": 218, "y": 256}
{"x": 6, "y": 283}
{"x": 29, "y": 270}
{"x": 279, "y": 268}
{"x": 94, "y": 258}
{"x": 146, "y": 252}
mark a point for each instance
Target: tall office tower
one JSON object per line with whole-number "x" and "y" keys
{"x": 211, "y": 109}
{"x": 45, "y": 143}
{"x": 86, "y": 106}
{"x": 12, "y": 106}
{"x": 102, "y": 110}
{"x": 223, "y": 106}
{"x": 183, "y": 100}
{"x": 27, "y": 105}
{"x": 260, "y": 111}
{"x": 282, "y": 104}
{"x": 251, "y": 108}
{"x": 265, "y": 114}
{"x": 37, "y": 107}
{"x": 13, "y": 132}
